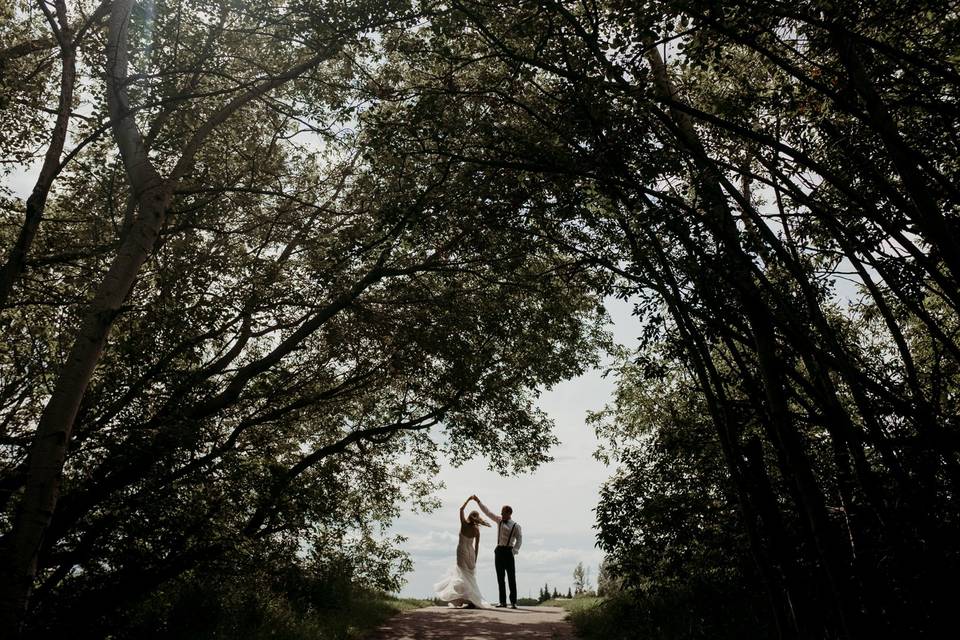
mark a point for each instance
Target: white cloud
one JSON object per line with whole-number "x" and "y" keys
{"x": 556, "y": 559}
{"x": 431, "y": 542}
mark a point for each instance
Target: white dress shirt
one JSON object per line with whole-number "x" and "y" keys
{"x": 509, "y": 533}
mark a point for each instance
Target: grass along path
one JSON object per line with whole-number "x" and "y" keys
{"x": 574, "y": 605}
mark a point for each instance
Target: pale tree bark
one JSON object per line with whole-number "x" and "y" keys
{"x": 153, "y": 194}
{"x": 68, "y": 39}
{"x": 37, "y": 201}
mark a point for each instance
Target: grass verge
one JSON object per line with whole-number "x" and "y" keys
{"x": 573, "y": 604}
{"x": 592, "y": 617}
{"x": 662, "y": 616}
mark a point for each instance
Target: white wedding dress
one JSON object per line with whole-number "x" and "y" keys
{"x": 459, "y": 586}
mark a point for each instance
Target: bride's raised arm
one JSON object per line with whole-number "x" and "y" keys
{"x": 462, "y": 507}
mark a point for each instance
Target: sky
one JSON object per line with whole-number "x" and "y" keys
{"x": 553, "y": 504}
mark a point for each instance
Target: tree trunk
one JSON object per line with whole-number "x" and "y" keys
{"x": 929, "y": 219}
{"x": 153, "y": 195}
{"x": 49, "y": 446}
{"x": 37, "y": 201}
{"x": 782, "y": 433}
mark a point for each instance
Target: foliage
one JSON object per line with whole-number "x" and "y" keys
{"x": 308, "y": 334}
{"x": 608, "y": 582}
{"x": 670, "y": 616}
{"x": 581, "y": 579}
{"x": 669, "y": 520}
{"x": 734, "y": 166}
{"x": 262, "y": 606}
{"x": 285, "y": 244}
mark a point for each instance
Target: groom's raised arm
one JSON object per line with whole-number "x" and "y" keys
{"x": 490, "y": 514}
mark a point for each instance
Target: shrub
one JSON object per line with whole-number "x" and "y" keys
{"x": 681, "y": 614}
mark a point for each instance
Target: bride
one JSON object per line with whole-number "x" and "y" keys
{"x": 459, "y": 587}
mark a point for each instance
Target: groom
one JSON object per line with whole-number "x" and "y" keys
{"x": 508, "y": 544}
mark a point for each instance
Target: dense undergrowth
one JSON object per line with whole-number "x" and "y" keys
{"x": 288, "y": 605}
{"x": 664, "y": 615}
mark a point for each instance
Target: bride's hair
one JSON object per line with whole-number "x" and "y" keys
{"x": 475, "y": 518}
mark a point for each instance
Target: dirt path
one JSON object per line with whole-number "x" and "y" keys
{"x": 442, "y": 623}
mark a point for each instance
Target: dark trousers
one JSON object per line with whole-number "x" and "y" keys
{"x": 505, "y": 564}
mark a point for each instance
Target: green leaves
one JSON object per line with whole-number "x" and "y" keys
{"x": 380, "y": 263}
{"x": 325, "y": 316}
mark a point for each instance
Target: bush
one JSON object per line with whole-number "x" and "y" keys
{"x": 665, "y": 615}
{"x": 292, "y": 603}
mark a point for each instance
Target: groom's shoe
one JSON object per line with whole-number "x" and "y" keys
{"x": 502, "y": 605}
{"x": 513, "y": 606}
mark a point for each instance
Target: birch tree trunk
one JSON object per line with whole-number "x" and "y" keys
{"x": 37, "y": 201}
{"x": 49, "y": 446}
{"x": 152, "y": 194}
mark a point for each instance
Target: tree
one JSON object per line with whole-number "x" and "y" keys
{"x": 401, "y": 219}
{"x": 724, "y": 186}
{"x": 668, "y": 518}
{"x": 151, "y": 198}
{"x": 279, "y": 317}
{"x": 581, "y": 579}
{"x": 608, "y": 583}
{"x": 68, "y": 38}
